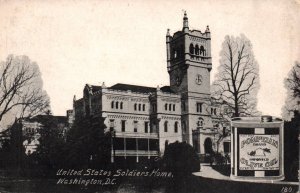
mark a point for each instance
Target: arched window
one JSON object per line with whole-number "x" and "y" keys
{"x": 166, "y": 126}
{"x": 176, "y": 127}
{"x": 135, "y": 105}
{"x": 121, "y": 105}
{"x": 170, "y": 107}
{"x": 202, "y": 50}
{"x": 215, "y": 111}
{"x": 166, "y": 106}
{"x": 191, "y": 49}
{"x": 144, "y": 107}
{"x": 117, "y": 105}
{"x": 174, "y": 107}
{"x": 140, "y": 107}
{"x": 199, "y": 123}
{"x": 112, "y": 104}
{"x": 197, "y": 50}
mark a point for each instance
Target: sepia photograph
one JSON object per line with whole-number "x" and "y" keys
{"x": 200, "y": 96}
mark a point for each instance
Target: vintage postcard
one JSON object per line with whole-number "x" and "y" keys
{"x": 149, "y": 96}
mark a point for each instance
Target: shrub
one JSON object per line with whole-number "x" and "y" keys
{"x": 181, "y": 159}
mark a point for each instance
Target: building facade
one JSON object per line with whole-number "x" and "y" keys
{"x": 27, "y": 130}
{"x": 146, "y": 119}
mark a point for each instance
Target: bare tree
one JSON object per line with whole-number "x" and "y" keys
{"x": 237, "y": 79}
{"x": 292, "y": 84}
{"x": 21, "y": 88}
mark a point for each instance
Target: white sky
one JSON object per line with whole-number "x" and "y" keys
{"x": 79, "y": 42}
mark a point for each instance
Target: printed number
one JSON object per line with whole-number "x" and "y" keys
{"x": 286, "y": 189}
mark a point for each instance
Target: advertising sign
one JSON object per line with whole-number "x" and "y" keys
{"x": 259, "y": 152}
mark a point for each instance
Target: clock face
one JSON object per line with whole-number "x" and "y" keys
{"x": 199, "y": 79}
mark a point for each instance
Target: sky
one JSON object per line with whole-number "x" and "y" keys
{"x": 79, "y": 42}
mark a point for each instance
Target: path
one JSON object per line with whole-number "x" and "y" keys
{"x": 207, "y": 172}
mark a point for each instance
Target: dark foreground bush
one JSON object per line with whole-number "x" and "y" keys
{"x": 181, "y": 159}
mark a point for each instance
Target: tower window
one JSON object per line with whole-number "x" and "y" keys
{"x": 166, "y": 126}
{"x": 166, "y": 106}
{"x": 135, "y": 105}
{"x": 170, "y": 107}
{"x": 146, "y": 127}
{"x": 199, "y": 107}
{"x": 197, "y": 50}
{"x": 140, "y": 107}
{"x": 135, "y": 125}
{"x": 123, "y": 123}
{"x": 191, "y": 49}
{"x": 117, "y": 105}
{"x": 144, "y": 107}
{"x": 121, "y": 105}
{"x": 176, "y": 127}
{"x": 112, "y": 104}
{"x": 202, "y": 50}
{"x": 200, "y": 123}
{"x": 174, "y": 107}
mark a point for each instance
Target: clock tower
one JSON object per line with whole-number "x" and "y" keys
{"x": 189, "y": 65}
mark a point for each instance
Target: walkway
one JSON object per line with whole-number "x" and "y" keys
{"x": 207, "y": 172}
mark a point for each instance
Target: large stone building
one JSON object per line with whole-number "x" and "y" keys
{"x": 146, "y": 119}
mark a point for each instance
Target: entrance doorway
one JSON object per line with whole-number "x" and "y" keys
{"x": 208, "y": 146}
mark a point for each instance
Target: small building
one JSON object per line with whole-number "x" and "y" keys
{"x": 27, "y": 130}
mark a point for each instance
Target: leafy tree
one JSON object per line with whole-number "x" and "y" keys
{"x": 291, "y": 115}
{"x": 87, "y": 143}
{"x": 237, "y": 79}
{"x": 51, "y": 148}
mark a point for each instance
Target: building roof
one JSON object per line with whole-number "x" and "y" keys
{"x": 95, "y": 88}
{"x": 166, "y": 89}
{"x": 140, "y": 89}
{"x": 133, "y": 88}
{"x": 43, "y": 118}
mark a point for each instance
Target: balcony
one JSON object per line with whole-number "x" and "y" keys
{"x": 137, "y": 135}
{"x": 135, "y": 153}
